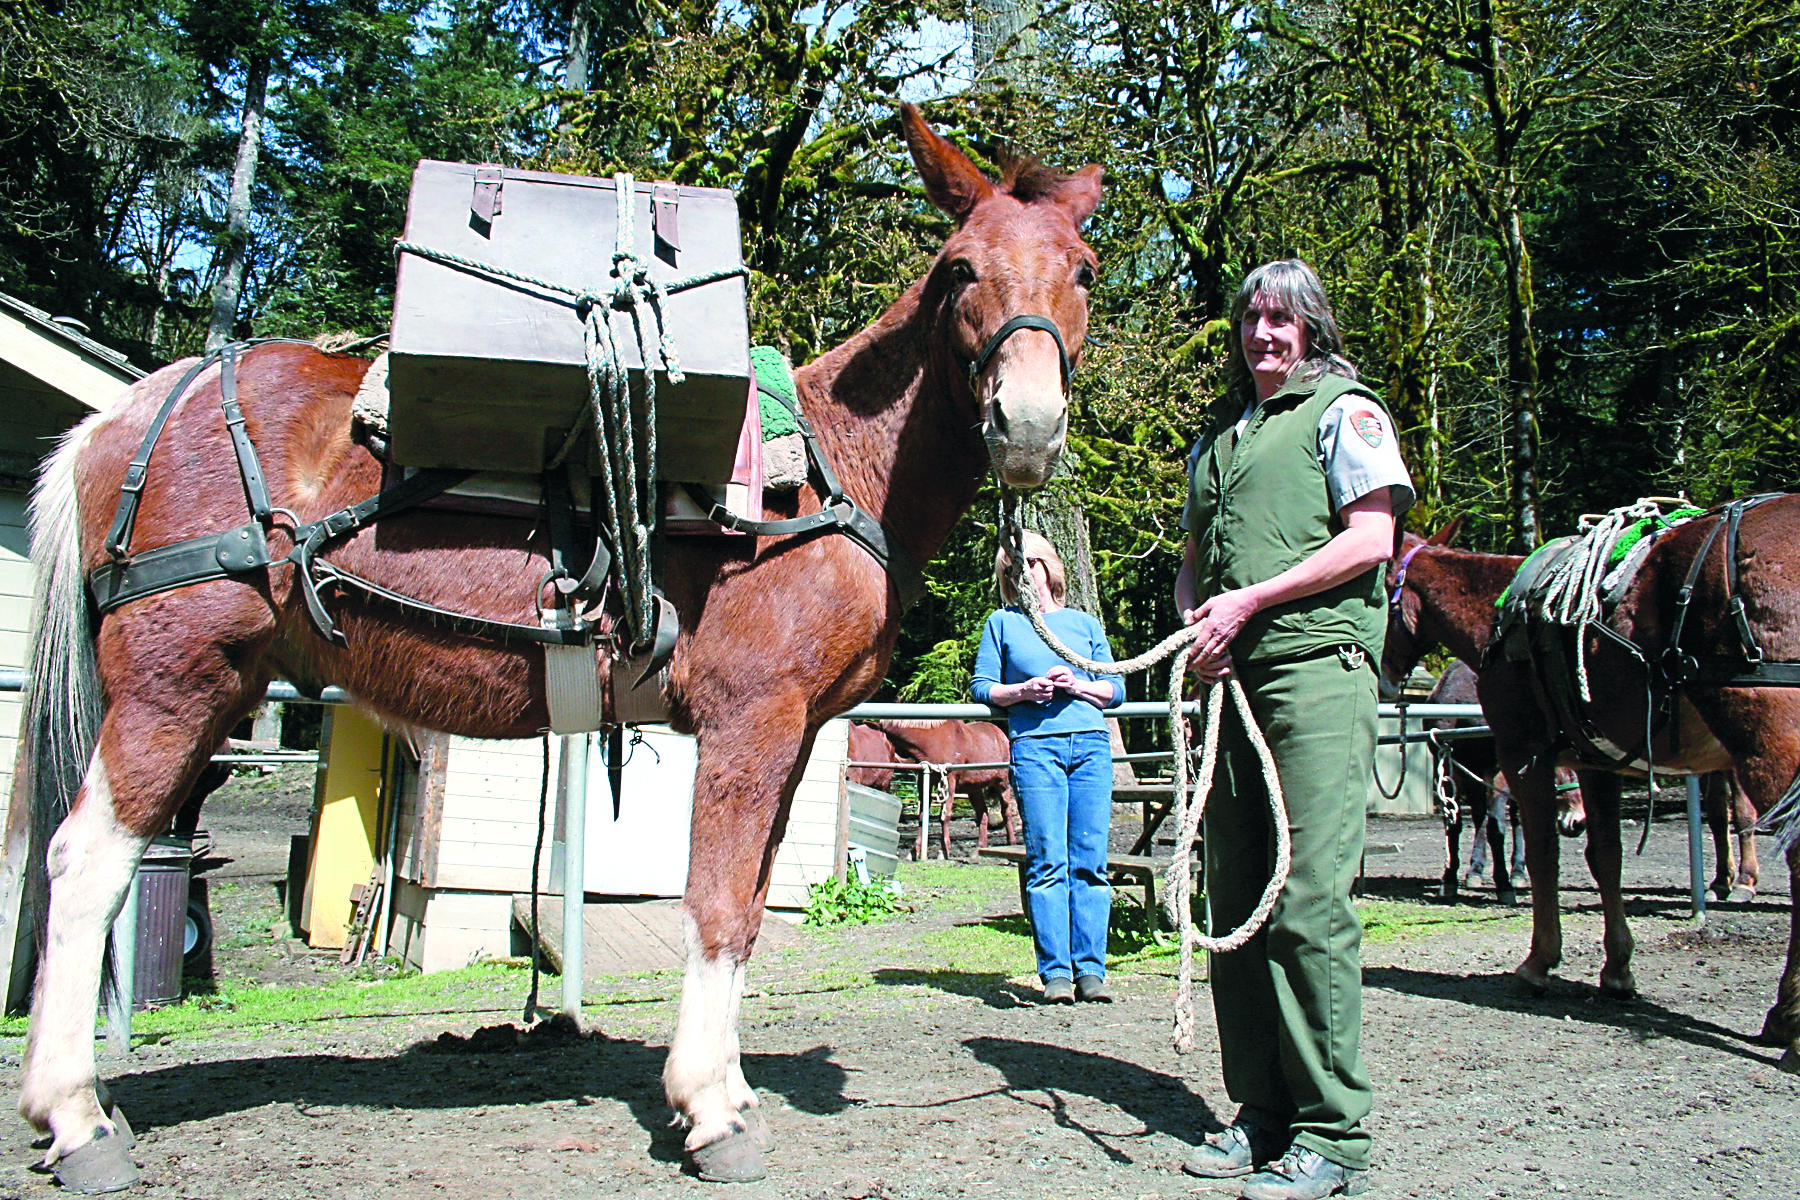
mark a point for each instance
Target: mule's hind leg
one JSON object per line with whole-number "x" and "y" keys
{"x": 1533, "y": 791}
{"x": 92, "y": 859}
{"x": 1604, "y": 856}
{"x": 1503, "y": 815}
{"x": 1743, "y": 813}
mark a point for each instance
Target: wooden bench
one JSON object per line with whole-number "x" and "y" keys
{"x": 1137, "y": 868}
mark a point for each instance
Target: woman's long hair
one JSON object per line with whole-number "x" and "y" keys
{"x": 1296, "y": 287}
{"x": 1036, "y": 546}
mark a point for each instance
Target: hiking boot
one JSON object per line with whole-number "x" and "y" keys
{"x": 1238, "y": 1149}
{"x": 1303, "y": 1174}
{"x": 1059, "y": 990}
{"x": 1092, "y": 988}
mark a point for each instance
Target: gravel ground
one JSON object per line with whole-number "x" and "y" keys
{"x": 909, "y": 1060}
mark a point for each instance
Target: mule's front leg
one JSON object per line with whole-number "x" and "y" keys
{"x": 1533, "y": 791}
{"x": 743, "y": 784}
{"x": 92, "y": 859}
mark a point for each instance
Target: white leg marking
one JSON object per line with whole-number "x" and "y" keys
{"x": 696, "y": 1077}
{"x": 92, "y": 860}
{"x": 737, "y": 1088}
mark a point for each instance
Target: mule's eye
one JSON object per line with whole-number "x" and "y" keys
{"x": 961, "y": 273}
{"x": 1084, "y": 276}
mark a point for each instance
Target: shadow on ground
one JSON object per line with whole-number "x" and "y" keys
{"x": 623, "y": 1070}
{"x": 1161, "y": 1103}
{"x": 1640, "y": 1017}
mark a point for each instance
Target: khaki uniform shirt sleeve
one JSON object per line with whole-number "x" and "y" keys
{"x": 1360, "y": 453}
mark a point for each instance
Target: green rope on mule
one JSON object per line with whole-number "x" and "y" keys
{"x": 629, "y": 481}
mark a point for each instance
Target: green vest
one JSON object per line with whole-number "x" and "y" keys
{"x": 1257, "y": 508}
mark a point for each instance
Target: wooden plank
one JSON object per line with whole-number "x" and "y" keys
{"x": 428, "y": 821}
{"x": 660, "y": 927}
{"x": 628, "y": 936}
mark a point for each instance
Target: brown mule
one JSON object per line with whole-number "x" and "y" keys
{"x": 951, "y": 742}
{"x": 778, "y": 634}
{"x": 1444, "y": 596}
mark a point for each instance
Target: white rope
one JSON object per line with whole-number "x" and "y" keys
{"x": 1572, "y": 585}
{"x": 1187, "y": 816}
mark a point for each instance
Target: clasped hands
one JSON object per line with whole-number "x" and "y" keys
{"x": 1041, "y": 689}
{"x": 1219, "y": 620}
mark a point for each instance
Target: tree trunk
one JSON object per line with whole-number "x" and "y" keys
{"x": 1003, "y": 36}
{"x": 237, "y": 208}
{"x": 581, "y": 32}
{"x": 1522, "y": 381}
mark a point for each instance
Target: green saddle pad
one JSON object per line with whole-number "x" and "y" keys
{"x": 774, "y": 375}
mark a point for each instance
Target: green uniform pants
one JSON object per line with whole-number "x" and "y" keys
{"x": 1289, "y": 1003}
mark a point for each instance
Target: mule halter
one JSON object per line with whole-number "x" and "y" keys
{"x": 1394, "y": 610}
{"x": 1024, "y": 321}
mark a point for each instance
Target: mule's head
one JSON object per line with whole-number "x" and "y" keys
{"x": 1407, "y": 642}
{"x": 1017, "y": 252}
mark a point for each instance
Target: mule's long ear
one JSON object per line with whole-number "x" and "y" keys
{"x": 1448, "y": 534}
{"x": 954, "y": 183}
{"x": 1081, "y": 194}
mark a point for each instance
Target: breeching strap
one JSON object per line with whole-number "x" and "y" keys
{"x": 1187, "y": 816}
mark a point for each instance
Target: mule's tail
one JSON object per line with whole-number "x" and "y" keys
{"x": 1782, "y": 822}
{"x": 62, "y": 695}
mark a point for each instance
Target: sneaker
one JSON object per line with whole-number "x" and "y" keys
{"x": 1092, "y": 988}
{"x": 1303, "y": 1174}
{"x": 1059, "y": 990}
{"x": 1238, "y": 1149}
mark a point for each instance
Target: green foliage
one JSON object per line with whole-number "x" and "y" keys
{"x": 1568, "y": 217}
{"x": 851, "y": 901}
{"x": 941, "y": 675}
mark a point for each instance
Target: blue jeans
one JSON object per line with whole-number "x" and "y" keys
{"x": 1064, "y": 785}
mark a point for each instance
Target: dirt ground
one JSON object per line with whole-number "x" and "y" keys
{"x": 909, "y": 1060}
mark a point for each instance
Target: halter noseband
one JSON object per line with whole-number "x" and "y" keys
{"x": 1023, "y": 321}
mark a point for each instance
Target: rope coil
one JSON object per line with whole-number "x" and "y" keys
{"x": 1187, "y": 816}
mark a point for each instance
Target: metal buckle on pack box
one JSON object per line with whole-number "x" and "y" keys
{"x": 485, "y": 203}
{"x": 665, "y": 202}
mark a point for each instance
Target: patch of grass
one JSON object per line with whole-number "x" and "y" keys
{"x": 1396, "y": 920}
{"x": 956, "y": 881}
{"x": 999, "y": 945}
{"x": 472, "y": 989}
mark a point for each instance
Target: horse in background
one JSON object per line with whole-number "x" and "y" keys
{"x": 946, "y": 743}
{"x": 1729, "y": 810}
{"x": 968, "y": 370}
{"x": 1444, "y": 596}
{"x": 1482, "y": 797}
{"x": 869, "y": 745}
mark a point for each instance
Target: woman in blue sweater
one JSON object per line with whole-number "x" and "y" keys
{"x": 1062, "y": 770}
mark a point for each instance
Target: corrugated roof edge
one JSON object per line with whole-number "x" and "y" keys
{"x": 82, "y": 342}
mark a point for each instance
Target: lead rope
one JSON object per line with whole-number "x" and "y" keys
{"x": 1187, "y": 816}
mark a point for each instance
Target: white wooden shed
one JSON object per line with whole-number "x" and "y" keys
{"x": 467, "y": 827}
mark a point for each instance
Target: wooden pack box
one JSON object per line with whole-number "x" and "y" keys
{"x": 484, "y": 372}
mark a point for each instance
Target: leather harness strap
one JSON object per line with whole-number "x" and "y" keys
{"x": 1752, "y": 670}
{"x": 840, "y": 515}
{"x": 1024, "y": 321}
{"x": 124, "y": 577}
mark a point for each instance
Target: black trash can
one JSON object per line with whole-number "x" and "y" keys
{"x": 162, "y": 882}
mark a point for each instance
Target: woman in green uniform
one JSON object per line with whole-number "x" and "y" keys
{"x": 1293, "y": 495}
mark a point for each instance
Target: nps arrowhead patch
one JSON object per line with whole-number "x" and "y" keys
{"x": 1368, "y": 426}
